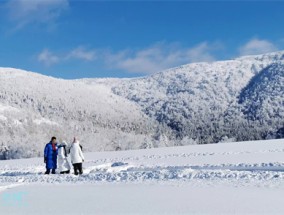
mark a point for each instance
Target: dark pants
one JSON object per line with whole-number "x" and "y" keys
{"x": 78, "y": 168}
{"x": 48, "y": 171}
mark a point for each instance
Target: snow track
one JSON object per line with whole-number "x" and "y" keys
{"x": 123, "y": 172}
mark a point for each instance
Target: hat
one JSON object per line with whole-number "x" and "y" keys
{"x": 64, "y": 143}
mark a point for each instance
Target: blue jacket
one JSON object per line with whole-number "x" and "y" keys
{"x": 50, "y": 156}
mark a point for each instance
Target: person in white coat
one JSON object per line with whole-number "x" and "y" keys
{"x": 77, "y": 157}
{"x": 62, "y": 159}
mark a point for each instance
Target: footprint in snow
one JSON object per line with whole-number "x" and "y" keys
{"x": 117, "y": 164}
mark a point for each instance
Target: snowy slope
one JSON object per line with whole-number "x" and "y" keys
{"x": 34, "y": 107}
{"x": 264, "y": 95}
{"x": 224, "y": 178}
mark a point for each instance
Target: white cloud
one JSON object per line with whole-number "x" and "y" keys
{"x": 82, "y": 53}
{"x": 159, "y": 57}
{"x": 47, "y": 58}
{"x": 155, "y": 58}
{"x": 24, "y": 12}
{"x": 257, "y": 46}
{"x": 201, "y": 52}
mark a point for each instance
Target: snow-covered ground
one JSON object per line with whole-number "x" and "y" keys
{"x": 227, "y": 178}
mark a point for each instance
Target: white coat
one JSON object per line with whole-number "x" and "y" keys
{"x": 62, "y": 161}
{"x": 76, "y": 153}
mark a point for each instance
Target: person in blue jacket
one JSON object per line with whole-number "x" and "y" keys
{"x": 50, "y": 156}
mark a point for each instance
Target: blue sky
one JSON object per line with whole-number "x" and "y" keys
{"x": 76, "y": 39}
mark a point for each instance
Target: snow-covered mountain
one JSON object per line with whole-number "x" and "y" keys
{"x": 240, "y": 99}
{"x": 209, "y": 102}
{"x": 34, "y": 107}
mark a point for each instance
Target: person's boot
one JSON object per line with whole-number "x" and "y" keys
{"x": 53, "y": 171}
{"x": 47, "y": 172}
